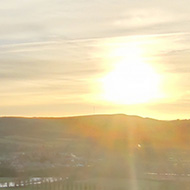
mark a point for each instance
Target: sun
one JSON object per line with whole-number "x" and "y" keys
{"x": 132, "y": 81}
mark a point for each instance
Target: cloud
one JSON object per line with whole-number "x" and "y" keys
{"x": 36, "y": 20}
{"x": 54, "y": 51}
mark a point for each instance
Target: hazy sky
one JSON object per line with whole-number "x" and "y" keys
{"x": 55, "y": 53}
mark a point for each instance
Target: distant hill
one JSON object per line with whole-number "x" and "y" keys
{"x": 111, "y": 131}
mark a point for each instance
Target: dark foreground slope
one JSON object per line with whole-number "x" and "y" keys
{"x": 105, "y": 129}
{"x": 116, "y": 145}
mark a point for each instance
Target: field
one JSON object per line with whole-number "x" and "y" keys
{"x": 106, "y": 184}
{"x": 102, "y": 152}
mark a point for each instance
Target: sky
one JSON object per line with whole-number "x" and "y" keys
{"x": 81, "y": 57}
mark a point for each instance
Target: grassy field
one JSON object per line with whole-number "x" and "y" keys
{"x": 106, "y": 184}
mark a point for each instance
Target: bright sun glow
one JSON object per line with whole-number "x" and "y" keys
{"x": 131, "y": 81}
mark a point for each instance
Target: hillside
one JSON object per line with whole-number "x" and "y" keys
{"x": 111, "y": 144}
{"x": 104, "y": 129}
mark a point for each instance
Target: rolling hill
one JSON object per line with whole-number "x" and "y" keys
{"x": 107, "y": 130}
{"x": 100, "y": 144}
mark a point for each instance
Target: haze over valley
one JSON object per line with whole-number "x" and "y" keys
{"x": 94, "y": 146}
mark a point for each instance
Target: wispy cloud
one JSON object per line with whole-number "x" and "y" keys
{"x": 52, "y": 51}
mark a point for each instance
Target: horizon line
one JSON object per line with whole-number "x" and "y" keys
{"x": 84, "y": 115}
